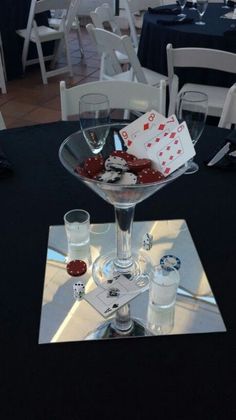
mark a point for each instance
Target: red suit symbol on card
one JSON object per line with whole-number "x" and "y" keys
{"x": 168, "y": 148}
{"x": 167, "y": 170}
{"x": 171, "y": 157}
{"x": 172, "y": 135}
{"x": 161, "y": 153}
{"x": 179, "y": 151}
{"x": 129, "y": 143}
{"x": 161, "y": 127}
{"x": 163, "y": 163}
{"x": 146, "y": 126}
{"x": 176, "y": 141}
{"x": 157, "y": 139}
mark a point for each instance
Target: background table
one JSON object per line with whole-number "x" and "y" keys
{"x": 126, "y": 378}
{"x": 155, "y": 36}
{"x": 13, "y": 16}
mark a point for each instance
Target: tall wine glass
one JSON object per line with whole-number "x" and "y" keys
{"x": 201, "y": 8}
{"x": 182, "y": 4}
{"x": 192, "y": 107}
{"x": 94, "y": 111}
{"x": 225, "y": 5}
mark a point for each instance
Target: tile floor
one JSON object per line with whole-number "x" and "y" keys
{"x": 29, "y": 102}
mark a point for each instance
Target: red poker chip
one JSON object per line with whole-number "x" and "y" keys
{"x": 76, "y": 268}
{"x": 79, "y": 170}
{"x": 93, "y": 165}
{"x": 149, "y": 175}
{"x": 139, "y": 164}
{"x": 121, "y": 153}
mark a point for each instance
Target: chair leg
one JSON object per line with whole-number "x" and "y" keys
{"x": 78, "y": 32}
{"x": 56, "y": 53}
{"x": 68, "y": 54}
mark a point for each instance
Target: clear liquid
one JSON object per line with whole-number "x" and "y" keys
{"x": 78, "y": 237}
{"x": 96, "y": 138}
{"x": 79, "y": 252}
{"x": 160, "y": 318}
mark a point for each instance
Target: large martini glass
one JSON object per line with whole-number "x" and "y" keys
{"x": 134, "y": 264}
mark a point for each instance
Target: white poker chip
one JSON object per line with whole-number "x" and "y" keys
{"x": 109, "y": 176}
{"x": 116, "y": 163}
{"x": 169, "y": 261}
{"x": 128, "y": 178}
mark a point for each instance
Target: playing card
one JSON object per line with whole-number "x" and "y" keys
{"x": 145, "y": 141}
{"x": 141, "y": 125}
{"x": 116, "y": 294}
{"x": 172, "y": 151}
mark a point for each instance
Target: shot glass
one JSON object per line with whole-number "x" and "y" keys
{"x": 77, "y": 226}
{"x": 164, "y": 283}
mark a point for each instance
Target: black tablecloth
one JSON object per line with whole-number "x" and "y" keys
{"x": 155, "y": 36}
{"x": 165, "y": 377}
{"x": 13, "y": 16}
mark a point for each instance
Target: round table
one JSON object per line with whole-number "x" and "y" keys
{"x": 216, "y": 34}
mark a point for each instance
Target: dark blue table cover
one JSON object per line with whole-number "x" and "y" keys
{"x": 183, "y": 377}
{"x": 13, "y": 16}
{"x": 155, "y": 36}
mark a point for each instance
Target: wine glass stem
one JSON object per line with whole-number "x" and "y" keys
{"x": 124, "y": 223}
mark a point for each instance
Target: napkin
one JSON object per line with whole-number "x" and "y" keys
{"x": 228, "y": 161}
{"x": 163, "y": 11}
{"x": 5, "y": 166}
{"x": 173, "y": 20}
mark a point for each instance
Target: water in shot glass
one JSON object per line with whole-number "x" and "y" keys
{"x": 77, "y": 226}
{"x": 162, "y": 298}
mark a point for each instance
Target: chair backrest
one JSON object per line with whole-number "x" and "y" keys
{"x": 228, "y": 116}
{"x": 133, "y": 7}
{"x": 107, "y": 44}
{"x": 43, "y": 5}
{"x": 122, "y": 95}
{"x": 103, "y": 16}
{"x": 2, "y": 123}
{"x": 199, "y": 58}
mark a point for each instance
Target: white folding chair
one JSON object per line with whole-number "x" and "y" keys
{"x": 71, "y": 21}
{"x": 103, "y": 17}
{"x": 40, "y": 34}
{"x": 228, "y": 116}
{"x": 2, "y": 123}
{"x": 134, "y": 11}
{"x": 200, "y": 58}
{"x": 2, "y": 69}
{"x": 123, "y": 95}
{"x": 108, "y": 44}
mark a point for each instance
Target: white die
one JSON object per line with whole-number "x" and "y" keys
{"x": 79, "y": 290}
{"x": 147, "y": 241}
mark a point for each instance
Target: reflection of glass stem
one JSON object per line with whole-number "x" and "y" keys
{"x": 122, "y": 323}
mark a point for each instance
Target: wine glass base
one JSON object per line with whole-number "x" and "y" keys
{"x": 200, "y": 23}
{"x": 181, "y": 15}
{"x": 104, "y": 269}
{"x": 192, "y": 168}
{"x": 106, "y": 330}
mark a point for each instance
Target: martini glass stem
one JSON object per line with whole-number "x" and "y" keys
{"x": 124, "y": 223}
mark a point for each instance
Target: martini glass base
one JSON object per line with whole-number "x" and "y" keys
{"x": 192, "y": 168}
{"x": 106, "y": 330}
{"x": 104, "y": 269}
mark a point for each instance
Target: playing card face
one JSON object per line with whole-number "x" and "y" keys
{"x": 144, "y": 123}
{"x": 145, "y": 141}
{"x": 118, "y": 293}
{"x": 172, "y": 150}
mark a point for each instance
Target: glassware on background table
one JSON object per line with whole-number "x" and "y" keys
{"x": 192, "y": 107}
{"x": 122, "y": 260}
{"x": 182, "y": 4}
{"x": 194, "y": 5}
{"x": 77, "y": 226}
{"x": 164, "y": 283}
{"x": 225, "y": 5}
{"x": 201, "y": 8}
{"x": 94, "y": 111}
